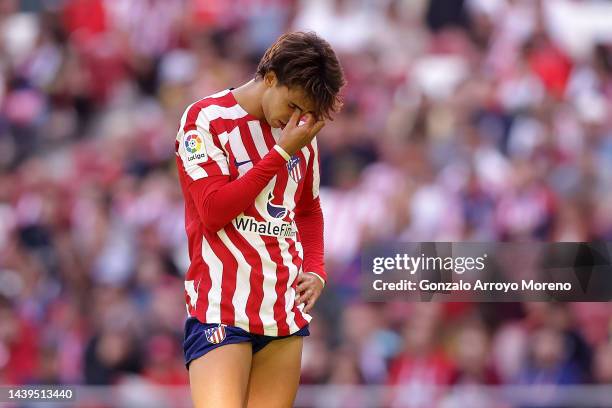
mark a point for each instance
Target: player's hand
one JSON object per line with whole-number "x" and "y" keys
{"x": 309, "y": 289}
{"x": 296, "y": 136}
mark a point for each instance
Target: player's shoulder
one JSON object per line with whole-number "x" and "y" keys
{"x": 218, "y": 105}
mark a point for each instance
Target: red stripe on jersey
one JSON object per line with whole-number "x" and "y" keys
{"x": 231, "y": 160}
{"x": 255, "y": 279}
{"x": 192, "y": 114}
{"x": 225, "y": 101}
{"x": 268, "y": 137}
{"x": 248, "y": 143}
{"x": 221, "y": 125}
{"x": 211, "y": 167}
{"x": 217, "y": 141}
{"x": 228, "y": 280}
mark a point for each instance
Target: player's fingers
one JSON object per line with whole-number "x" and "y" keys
{"x": 316, "y": 127}
{"x": 301, "y": 295}
{"x": 304, "y": 296}
{"x": 295, "y": 117}
{"x": 309, "y": 120}
{"x": 310, "y": 303}
{"x": 302, "y": 286}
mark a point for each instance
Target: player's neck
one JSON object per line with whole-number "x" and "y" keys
{"x": 249, "y": 97}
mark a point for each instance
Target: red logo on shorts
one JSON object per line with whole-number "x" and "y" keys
{"x": 215, "y": 335}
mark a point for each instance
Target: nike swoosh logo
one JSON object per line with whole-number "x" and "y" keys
{"x": 238, "y": 164}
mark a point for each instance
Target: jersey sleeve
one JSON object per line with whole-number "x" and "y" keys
{"x": 218, "y": 200}
{"x": 309, "y": 218}
{"x": 199, "y": 147}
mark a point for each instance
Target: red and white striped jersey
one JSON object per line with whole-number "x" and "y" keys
{"x": 245, "y": 274}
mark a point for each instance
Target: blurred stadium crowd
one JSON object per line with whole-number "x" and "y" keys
{"x": 463, "y": 120}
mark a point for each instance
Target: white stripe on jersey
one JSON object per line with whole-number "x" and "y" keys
{"x": 215, "y": 269}
{"x": 224, "y": 139}
{"x": 258, "y": 137}
{"x": 277, "y": 133}
{"x": 240, "y": 152}
{"x": 300, "y": 249}
{"x": 316, "y": 178}
{"x": 261, "y": 201}
{"x": 213, "y": 112}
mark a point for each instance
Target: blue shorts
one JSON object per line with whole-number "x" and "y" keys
{"x": 200, "y": 338}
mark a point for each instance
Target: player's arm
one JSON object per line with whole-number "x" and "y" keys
{"x": 219, "y": 200}
{"x": 309, "y": 221}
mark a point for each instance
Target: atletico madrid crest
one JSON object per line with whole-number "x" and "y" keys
{"x": 293, "y": 167}
{"x": 215, "y": 335}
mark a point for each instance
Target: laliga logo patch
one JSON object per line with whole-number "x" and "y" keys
{"x": 215, "y": 335}
{"x": 193, "y": 143}
{"x": 195, "y": 148}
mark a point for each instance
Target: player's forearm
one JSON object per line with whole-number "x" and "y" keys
{"x": 219, "y": 200}
{"x": 309, "y": 221}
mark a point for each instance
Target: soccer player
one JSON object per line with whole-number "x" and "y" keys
{"x": 249, "y": 171}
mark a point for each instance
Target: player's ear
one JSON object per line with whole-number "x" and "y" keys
{"x": 270, "y": 79}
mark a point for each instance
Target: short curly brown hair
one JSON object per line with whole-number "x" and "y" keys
{"x": 305, "y": 60}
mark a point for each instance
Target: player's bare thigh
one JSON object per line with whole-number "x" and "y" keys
{"x": 275, "y": 374}
{"x": 220, "y": 377}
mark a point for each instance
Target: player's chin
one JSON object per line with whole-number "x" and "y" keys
{"x": 277, "y": 123}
